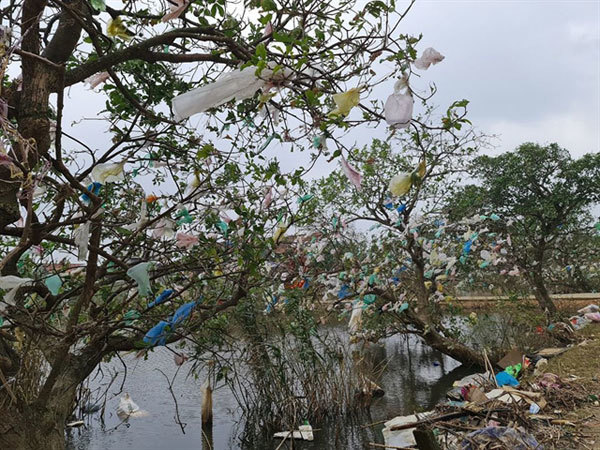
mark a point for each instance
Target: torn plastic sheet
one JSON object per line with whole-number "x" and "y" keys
{"x": 239, "y": 85}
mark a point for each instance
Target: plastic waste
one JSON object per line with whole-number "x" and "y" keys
{"x": 162, "y": 297}
{"x": 176, "y": 8}
{"x": 355, "y": 318}
{"x": 185, "y": 240}
{"x": 534, "y": 408}
{"x": 108, "y": 173}
{"x": 182, "y": 314}
{"x": 504, "y": 378}
{"x": 97, "y": 79}
{"x": 305, "y": 432}
{"x": 116, "y": 28}
{"x": 139, "y": 273}
{"x": 238, "y": 85}
{"x": 398, "y": 109}
{"x": 94, "y": 188}
{"x": 400, "y": 184}
{"x": 345, "y": 101}
{"x": 53, "y": 284}
{"x": 127, "y": 407}
{"x": 507, "y": 437}
{"x": 164, "y": 228}
{"x": 12, "y": 283}
{"x": 430, "y": 56}
{"x": 593, "y": 316}
{"x": 353, "y": 175}
{"x": 180, "y": 358}
{"x": 591, "y": 308}
{"x": 513, "y": 370}
{"x": 157, "y": 335}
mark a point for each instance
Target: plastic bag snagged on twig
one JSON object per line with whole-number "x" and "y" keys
{"x": 239, "y": 85}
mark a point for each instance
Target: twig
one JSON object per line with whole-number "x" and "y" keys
{"x": 177, "y": 418}
{"x": 374, "y": 444}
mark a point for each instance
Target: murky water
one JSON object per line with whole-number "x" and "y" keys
{"x": 415, "y": 379}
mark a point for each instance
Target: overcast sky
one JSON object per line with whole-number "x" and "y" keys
{"x": 531, "y": 69}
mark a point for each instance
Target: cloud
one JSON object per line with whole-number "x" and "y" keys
{"x": 583, "y": 33}
{"x": 578, "y": 134}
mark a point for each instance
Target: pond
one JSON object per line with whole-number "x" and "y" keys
{"x": 415, "y": 379}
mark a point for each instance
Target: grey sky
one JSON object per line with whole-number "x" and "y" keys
{"x": 531, "y": 69}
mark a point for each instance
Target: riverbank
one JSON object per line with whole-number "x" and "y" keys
{"x": 554, "y": 405}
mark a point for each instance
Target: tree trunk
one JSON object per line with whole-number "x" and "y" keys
{"x": 542, "y": 295}
{"x": 456, "y": 350}
{"x": 30, "y": 428}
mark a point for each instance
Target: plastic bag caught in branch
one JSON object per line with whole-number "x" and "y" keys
{"x": 398, "y": 108}
{"x": 108, "y": 173}
{"x": 345, "y": 101}
{"x": 430, "y": 56}
{"x": 116, "y": 28}
{"x": 355, "y": 318}
{"x": 185, "y": 240}
{"x": 400, "y": 184}
{"x": 12, "y": 283}
{"x": 96, "y": 79}
{"x": 177, "y": 7}
{"x": 239, "y": 85}
{"x": 81, "y": 237}
{"x": 353, "y": 175}
{"x": 139, "y": 273}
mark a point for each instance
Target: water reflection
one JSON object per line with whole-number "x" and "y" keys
{"x": 415, "y": 378}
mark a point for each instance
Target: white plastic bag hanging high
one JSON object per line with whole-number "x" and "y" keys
{"x": 239, "y": 85}
{"x": 430, "y": 56}
{"x": 81, "y": 237}
{"x": 398, "y": 108}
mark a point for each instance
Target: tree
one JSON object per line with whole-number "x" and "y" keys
{"x": 397, "y": 279}
{"x": 78, "y": 228}
{"x": 544, "y": 198}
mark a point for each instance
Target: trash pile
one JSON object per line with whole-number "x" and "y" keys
{"x": 521, "y": 406}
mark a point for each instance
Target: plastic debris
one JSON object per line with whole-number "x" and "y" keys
{"x": 157, "y": 335}
{"x": 162, "y": 297}
{"x": 116, "y": 28}
{"x": 238, "y": 85}
{"x": 305, "y": 432}
{"x": 593, "y": 316}
{"x": 53, "y": 284}
{"x": 504, "y": 378}
{"x": 515, "y": 439}
{"x": 550, "y": 380}
{"x": 139, "y": 273}
{"x": 12, "y": 283}
{"x": 268, "y": 198}
{"x": 127, "y": 407}
{"x": 355, "y": 318}
{"x": 81, "y": 237}
{"x": 182, "y": 314}
{"x": 185, "y": 240}
{"x": 164, "y": 228}
{"x": 398, "y": 107}
{"x": 534, "y": 408}
{"x": 180, "y": 358}
{"x": 94, "y": 188}
{"x": 176, "y": 8}
{"x": 345, "y": 101}
{"x": 430, "y": 56}
{"x": 402, "y": 438}
{"x": 108, "y": 173}
{"x": 96, "y": 79}
{"x": 353, "y": 175}
{"x": 400, "y": 184}
{"x": 591, "y": 308}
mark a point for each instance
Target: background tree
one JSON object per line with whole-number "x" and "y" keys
{"x": 398, "y": 277}
{"x": 544, "y": 197}
{"x": 195, "y": 207}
